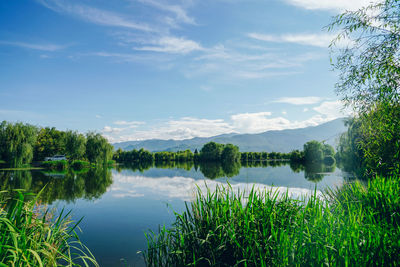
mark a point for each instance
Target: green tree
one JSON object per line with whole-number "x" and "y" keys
{"x": 369, "y": 66}
{"x": 75, "y": 145}
{"x": 49, "y": 142}
{"x": 370, "y": 82}
{"x": 98, "y": 150}
{"x": 313, "y": 151}
{"x": 16, "y": 142}
{"x": 211, "y": 152}
{"x": 230, "y": 153}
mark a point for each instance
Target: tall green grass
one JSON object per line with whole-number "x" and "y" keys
{"x": 356, "y": 225}
{"x": 30, "y": 236}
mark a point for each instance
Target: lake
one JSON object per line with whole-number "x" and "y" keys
{"x": 120, "y": 204}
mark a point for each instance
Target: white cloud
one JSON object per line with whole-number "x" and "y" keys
{"x": 330, "y": 4}
{"x": 257, "y": 122}
{"x": 108, "y": 129}
{"x": 178, "y": 11}
{"x": 332, "y": 109}
{"x": 307, "y": 100}
{"x": 319, "y": 40}
{"x": 95, "y": 15}
{"x": 98, "y": 116}
{"x": 41, "y": 47}
{"x": 129, "y": 123}
{"x": 184, "y": 128}
{"x": 169, "y": 44}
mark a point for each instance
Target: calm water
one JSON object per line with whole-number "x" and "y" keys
{"x": 119, "y": 205}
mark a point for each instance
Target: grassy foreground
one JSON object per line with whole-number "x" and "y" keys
{"x": 356, "y": 225}
{"x": 29, "y": 236}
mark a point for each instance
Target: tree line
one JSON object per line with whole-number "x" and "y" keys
{"x": 314, "y": 152}
{"x": 23, "y": 143}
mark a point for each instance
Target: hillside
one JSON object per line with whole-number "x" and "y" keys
{"x": 280, "y": 141}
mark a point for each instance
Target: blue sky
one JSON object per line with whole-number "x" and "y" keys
{"x": 140, "y": 69}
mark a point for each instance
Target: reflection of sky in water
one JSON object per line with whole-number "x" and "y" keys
{"x": 181, "y": 184}
{"x": 184, "y": 188}
{"x": 114, "y": 225}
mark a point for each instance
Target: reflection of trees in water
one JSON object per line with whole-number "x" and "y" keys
{"x": 296, "y": 166}
{"x": 264, "y": 163}
{"x": 69, "y": 186}
{"x": 213, "y": 170}
{"x": 315, "y": 172}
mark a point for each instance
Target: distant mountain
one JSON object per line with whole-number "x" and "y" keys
{"x": 279, "y": 141}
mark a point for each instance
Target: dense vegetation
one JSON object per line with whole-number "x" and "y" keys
{"x": 369, "y": 82}
{"x": 224, "y": 228}
{"x": 314, "y": 152}
{"x": 30, "y": 236}
{"x": 23, "y": 143}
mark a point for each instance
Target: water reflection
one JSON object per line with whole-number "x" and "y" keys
{"x": 69, "y": 185}
{"x": 92, "y": 183}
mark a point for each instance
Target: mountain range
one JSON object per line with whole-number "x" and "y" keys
{"x": 278, "y": 141}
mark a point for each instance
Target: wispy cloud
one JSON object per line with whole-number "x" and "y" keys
{"x": 169, "y": 44}
{"x": 319, "y": 40}
{"x": 306, "y": 100}
{"x": 129, "y": 123}
{"x": 41, "y": 47}
{"x": 229, "y": 63}
{"x": 330, "y": 4}
{"x": 95, "y": 15}
{"x": 179, "y": 12}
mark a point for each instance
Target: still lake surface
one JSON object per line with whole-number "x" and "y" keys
{"x": 119, "y": 205}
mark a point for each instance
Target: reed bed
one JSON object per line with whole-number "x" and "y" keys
{"x": 30, "y": 236}
{"x": 356, "y": 225}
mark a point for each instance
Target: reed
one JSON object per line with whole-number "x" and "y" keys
{"x": 31, "y": 236}
{"x": 356, "y": 225}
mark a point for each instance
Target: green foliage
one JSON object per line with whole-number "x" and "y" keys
{"x": 31, "y": 237}
{"x": 359, "y": 227}
{"x": 98, "y": 150}
{"x": 79, "y": 164}
{"x": 230, "y": 154}
{"x": 17, "y": 142}
{"x": 75, "y": 145}
{"x": 369, "y": 70}
{"x": 370, "y": 83}
{"x": 380, "y": 142}
{"x": 316, "y": 152}
{"x": 49, "y": 142}
{"x": 211, "y": 152}
{"x": 313, "y": 151}
{"x": 371, "y": 145}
